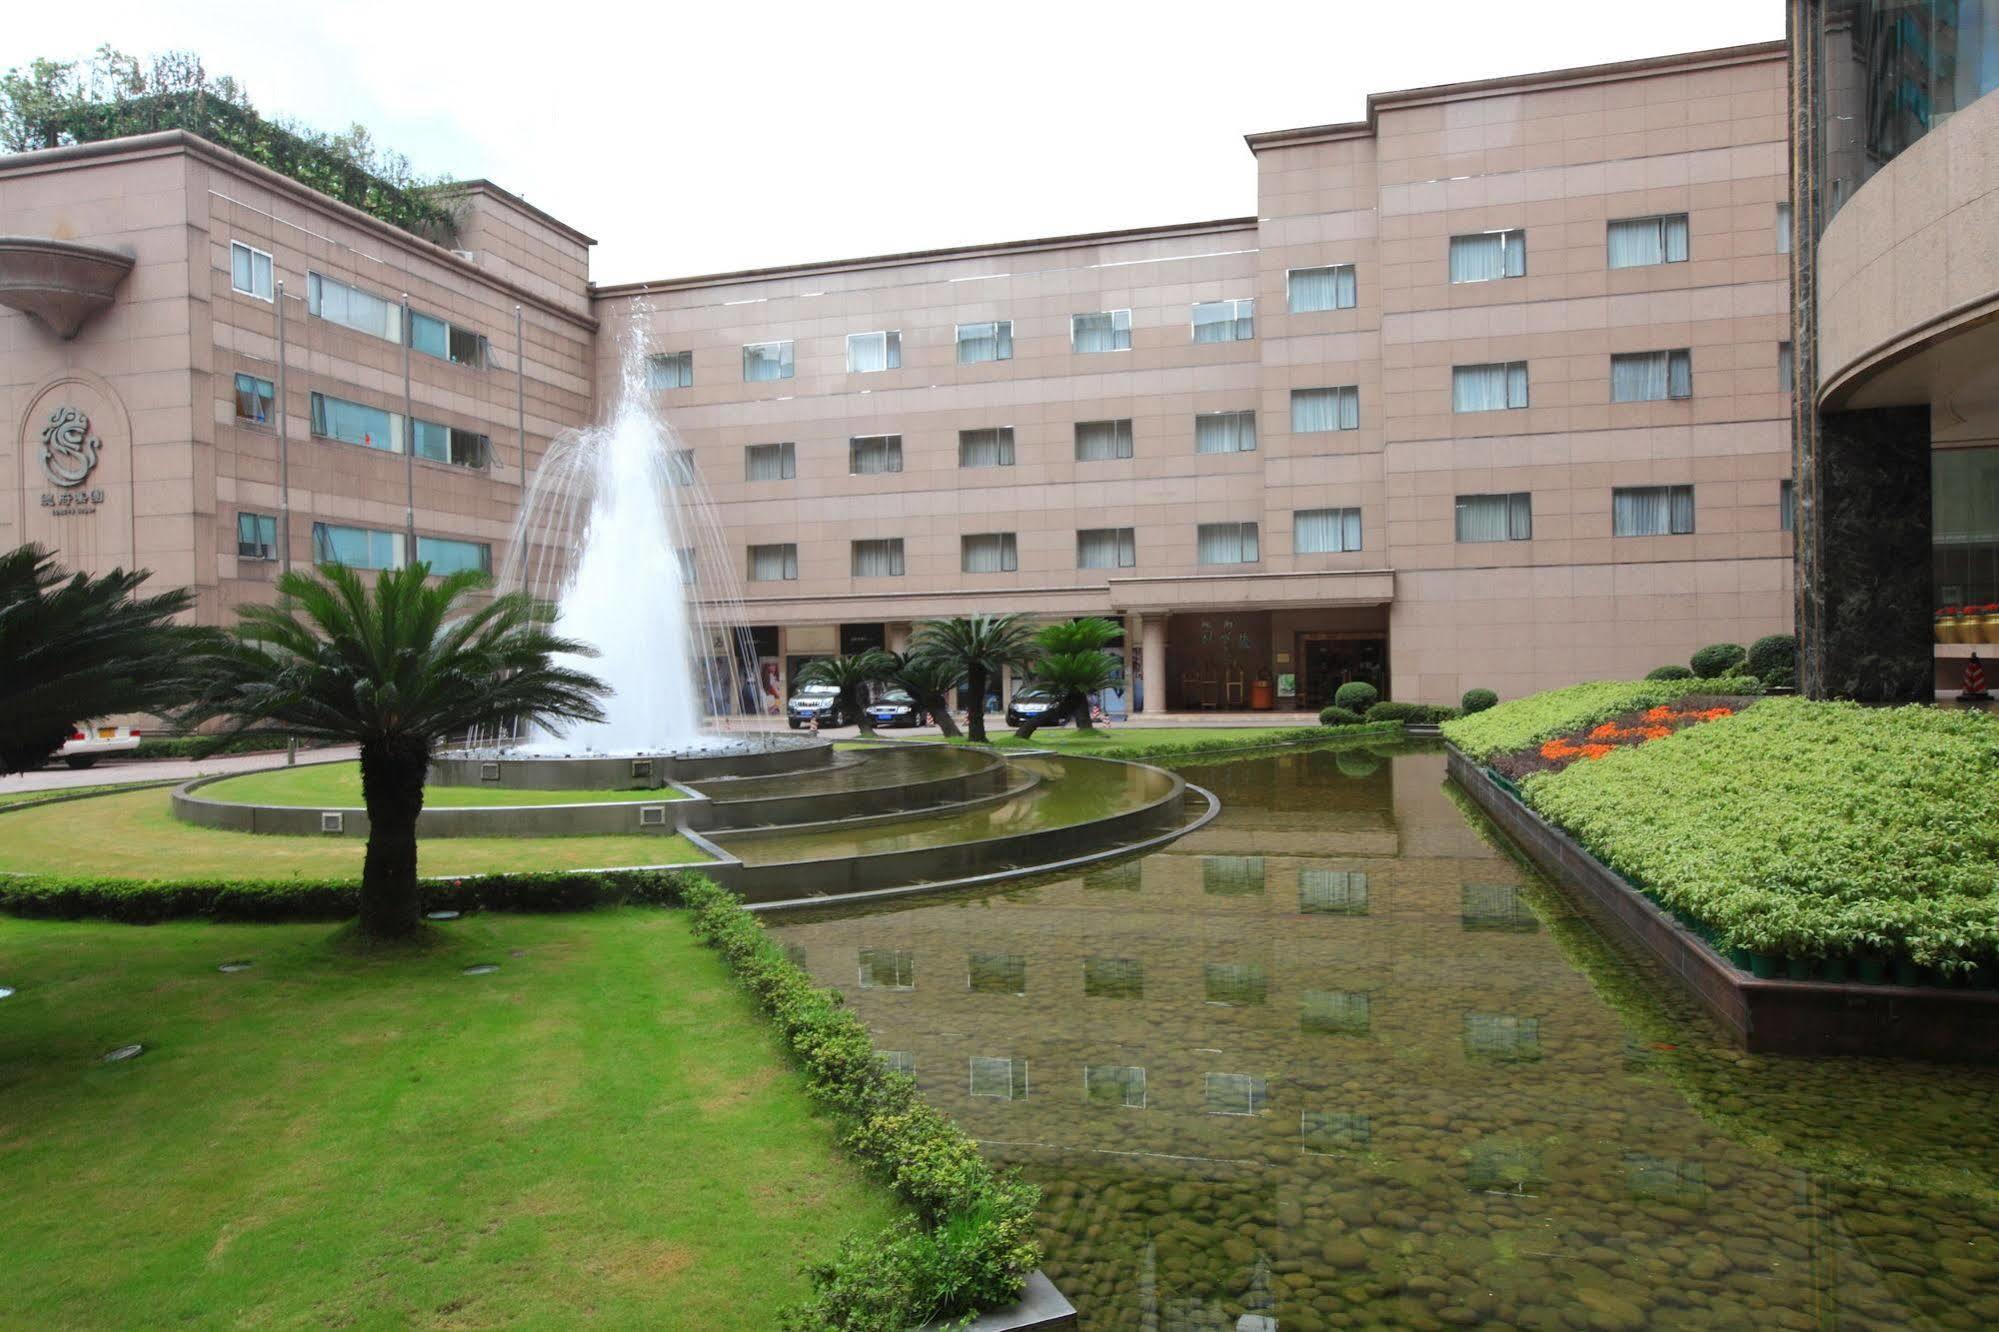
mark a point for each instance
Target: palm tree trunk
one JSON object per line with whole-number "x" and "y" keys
{"x": 945, "y": 721}
{"x": 975, "y": 711}
{"x": 392, "y": 785}
{"x": 859, "y": 708}
{"x": 1081, "y": 712}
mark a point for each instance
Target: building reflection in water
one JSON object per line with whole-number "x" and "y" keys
{"x": 1322, "y": 1064}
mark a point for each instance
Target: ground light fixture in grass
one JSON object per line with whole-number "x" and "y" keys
{"x": 364, "y": 1138}
{"x": 338, "y": 785}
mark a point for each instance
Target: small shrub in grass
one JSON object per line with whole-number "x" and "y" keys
{"x": 1477, "y": 700}
{"x": 1718, "y": 659}
{"x": 1669, "y": 672}
{"x": 1356, "y": 695}
{"x": 1773, "y": 659}
{"x": 1335, "y": 715}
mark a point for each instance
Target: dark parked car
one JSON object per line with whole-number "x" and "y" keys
{"x": 896, "y": 708}
{"x": 817, "y": 700}
{"x": 1033, "y": 701}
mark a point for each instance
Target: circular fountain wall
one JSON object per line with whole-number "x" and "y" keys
{"x": 714, "y": 756}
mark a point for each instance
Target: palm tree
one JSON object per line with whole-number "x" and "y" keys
{"x": 73, "y": 647}
{"x": 929, "y": 681}
{"x": 396, "y": 672}
{"x": 851, "y": 675}
{"x": 1073, "y": 664}
{"x": 977, "y": 647}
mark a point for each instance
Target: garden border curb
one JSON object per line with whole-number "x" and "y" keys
{"x": 1762, "y": 1016}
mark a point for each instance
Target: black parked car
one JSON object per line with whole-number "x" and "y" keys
{"x": 1034, "y": 701}
{"x": 896, "y": 708}
{"x": 816, "y": 700}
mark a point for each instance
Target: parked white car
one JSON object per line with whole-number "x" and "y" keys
{"x": 88, "y": 743}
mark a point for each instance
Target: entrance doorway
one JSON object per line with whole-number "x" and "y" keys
{"x": 1331, "y": 660}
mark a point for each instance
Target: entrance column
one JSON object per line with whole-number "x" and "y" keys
{"x": 898, "y": 636}
{"x": 1134, "y": 627}
{"x": 1152, "y": 668}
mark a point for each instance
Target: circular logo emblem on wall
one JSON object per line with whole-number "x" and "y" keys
{"x": 69, "y": 450}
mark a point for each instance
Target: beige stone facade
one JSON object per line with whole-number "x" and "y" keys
{"x": 1557, "y": 157}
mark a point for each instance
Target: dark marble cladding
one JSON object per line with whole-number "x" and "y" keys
{"x": 1871, "y": 590}
{"x": 614, "y": 773}
{"x": 1765, "y": 1016}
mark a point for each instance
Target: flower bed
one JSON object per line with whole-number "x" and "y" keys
{"x": 1621, "y": 732}
{"x": 1525, "y": 722}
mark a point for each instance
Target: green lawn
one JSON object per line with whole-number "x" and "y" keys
{"x": 603, "y": 1132}
{"x": 135, "y": 834}
{"x": 338, "y": 785}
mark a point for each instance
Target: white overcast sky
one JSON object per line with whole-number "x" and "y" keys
{"x": 696, "y": 139}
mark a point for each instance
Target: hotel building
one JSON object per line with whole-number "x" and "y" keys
{"x": 1493, "y": 389}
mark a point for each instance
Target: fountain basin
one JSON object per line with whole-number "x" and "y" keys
{"x": 528, "y": 770}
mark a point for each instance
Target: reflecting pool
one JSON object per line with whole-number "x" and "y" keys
{"x": 1334, "y": 1061}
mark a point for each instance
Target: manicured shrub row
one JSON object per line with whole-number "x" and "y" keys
{"x": 1477, "y": 700}
{"x": 144, "y": 902}
{"x": 1411, "y": 714}
{"x": 1718, "y": 659}
{"x": 1159, "y": 753}
{"x": 1670, "y": 672}
{"x": 1773, "y": 659}
{"x": 1335, "y": 715}
{"x": 1528, "y": 721}
{"x": 970, "y": 1241}
{"x": 1798, "y": 830}
{"x": 195, "y": 746}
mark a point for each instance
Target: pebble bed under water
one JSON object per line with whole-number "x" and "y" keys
{"x": 1337, "y": 1061}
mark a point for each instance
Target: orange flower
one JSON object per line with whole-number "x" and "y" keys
{"x": 1597, "y": 751}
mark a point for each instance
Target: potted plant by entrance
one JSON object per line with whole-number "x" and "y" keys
{"x": 1988, "y": 624}
{"x": 1945, "y": 621}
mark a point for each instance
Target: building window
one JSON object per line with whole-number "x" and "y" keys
{"x": 1964, "y": 525}
{"x": 1106, "y": 548}
{"x": 776, "y": 563}
{"x": 990, "y": 341}
{"x": 1335, "y": 1132}
{"x": 1331, "y": 892}
{"x": 1638, "y": 242}
{"x": 869, "y": 352}
{"x": 1232, "y": 876}
{"x": 1224, "y": 321}
{"x": 446, "y": 341}
{"x": 1502, "y": 1037}
{"x": 1783, "y": 228}
{"x": 448, "y": 555}
{"x": 356, "y": 423}
{"x": 448, "y": 444}
{"x": 1651, "y": 376}
{"x": 1785, "y": 368}
{"x": 1495, "y": 906}
{"x": 1237, "y": 984}
{"x": 1226, "y": 543}
{"x": 351, "y": 307}
{"x": 766, "y": 361}
{"x": 900, "y": 1061}
{"x": 256, "y": 399}
{"x": 996, "y": 973}
{"x": 1651, "y": 511}
{"x": 1320, "y": 409}
{"x": 1787, "y": 505}
{"x": 356, "y": 547}
{"x": 1113, "y": 978}
{"x": 1225, "y": 432}
{"x": 690, "y": 566}
{"x": 1329, "y": 288}
{"x": 1235, "y": 1094}
{"x": 986, "y": 448}
{"x": 1103, "y": 331}
{"x": 669, "y": 370}
{"x": 871, "y": 455}
{"x": 256, "y": 536}
{"x": 988, "y": 552}
{"x": 1336, "y": 1012}
{"x": 1100, "y": 441}
{"x": 1001, "y": 1079}
{"x": 770, "y": 462}
{"x": 1496, "y": 517}
{"x": 887, "y": 969}
{"x": 1485, "y": 256}
{"x": 250, "y": 271}
{"x": 879, "y": 558}
{"x": 1498, "y": 386}
{"x": 680, "y": 467}
{"x": 1325, "y": 531}
{"x": 1114, "y": 1084}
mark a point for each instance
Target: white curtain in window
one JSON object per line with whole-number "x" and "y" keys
{"x": 767, "y": 462}
{"x": 1100, "y": 440}
{"x": 1652, "y": 510}
{"x": 1224, "y": 321}
{"x": 1314, "y": 410}
{"x": 1325, "y": 531}
{"x": 680, "y": 467}
{"x": 991, "y": 552}
{"x": 1108, "y": 330}
{"x": 1520, "y": 516}
{"x": 1330, "y": 288}
{"x": 985, "y": 342}
{"x": 1488, "y": 388}
{"x": 1682, "y": 500}
{"x": 1639, "y": 241}
{"x": 874, "y": 454}
{"x": 1477, "y": 258}
{"x": 1784, "y": 367}
{"x": 1638, "y": 377}
{"x": 1106, "y": 548}
{"x": 869, "y": 352}
{"x": 986, "y": 448}
{"x": 765, "y": 361}
{"x": 878, "y": 559}
{"x": 1226, "y": 543}
{"x": 1679, "y": 374}
{"x": 773, "y": 564}
{"x": 1783, "y": 228}
{"x": 1225, "y": 432}
{"x": 1481, "y": 518}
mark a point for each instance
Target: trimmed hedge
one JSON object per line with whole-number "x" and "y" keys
{"x": 1477, "y": 700}
{"x": 970, "y": 1244}
{"x": 1717, "y": 659}
{"x": 1335, "y": 715}
{"x": 1773, "y": 659}
{"x": 1528, "y": 721}
{"x": 199, "y": 746}
{"x": 1411, "y": 714}
{"x": 1356, "y": 695}
{"x": 1669, "y": 672}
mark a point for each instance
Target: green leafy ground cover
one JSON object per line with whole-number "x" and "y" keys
{"x": 602, "y": 1132}
{"x": 1806, "y": 830}
{"x": 1528, "y": 721}
{"x": 338, "y": 785}
{"x": 135, "y": 835}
